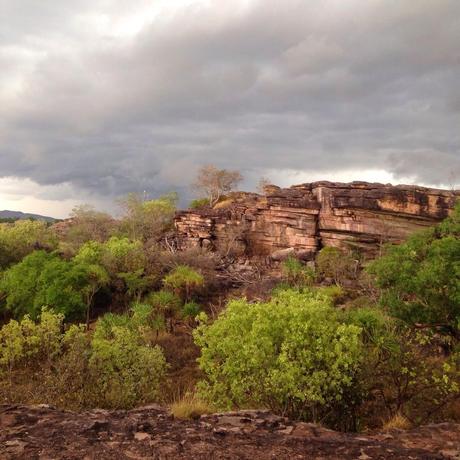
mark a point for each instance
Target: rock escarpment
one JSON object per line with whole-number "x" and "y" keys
{"x": 304, "y": 218}
{"x": 43, "y": 432}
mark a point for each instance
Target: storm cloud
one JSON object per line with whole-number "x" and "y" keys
{"x": 102, "y": 97}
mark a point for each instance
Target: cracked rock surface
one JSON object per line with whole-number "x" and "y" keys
{"x": 43, "y": 432}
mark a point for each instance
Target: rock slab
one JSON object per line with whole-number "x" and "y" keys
{"x": 43, "y": 432}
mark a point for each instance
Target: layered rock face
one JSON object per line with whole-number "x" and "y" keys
{"x": 304, "y": 218}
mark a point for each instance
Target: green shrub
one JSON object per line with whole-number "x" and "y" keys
{"x": 144, "y": 317}
{"x": 190, "y": 310}
{"x": 420, "y": 279}
{"x": 22, "y": 237}
{"x": 114, "y": 369}
{"x": 333, "y": 263}
{"x": 166, "y": 304}
{"x": 291, "y": 354}
{"x": 43, "y": 279}
{"x": 296, "y": 273}
{"x": 27, "y": 342}
{"x": 105, "y": 325}
{"x": 199, "y": 203}
{"x": 183, "y": 279}
{"x": 125, "y": 371}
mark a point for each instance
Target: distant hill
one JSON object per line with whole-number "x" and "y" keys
{"x": 18, "y": 215}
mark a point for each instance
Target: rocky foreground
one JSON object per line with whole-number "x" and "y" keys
{"x": 43, "y": 432}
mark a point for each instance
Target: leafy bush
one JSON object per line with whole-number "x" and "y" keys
{"x": 27, "y": 341}
{"x": 190, "y": 310}
{"x": 125, "y": 371}
{"x": 333, "y": 263}
{"x": 167, "y": 304}
{"x": 85, "y": 224}
{"x": 145, "y": 317}
{"x": 403, "y": 372}
{"x": 107, "y": 323}
{"x": 291, "y": 354}
{"x": 420, "y": 279}
{"x": 147, "y": 219}
{"x": 296, "y": 273}
{"x": 114, "y": 369}
{"x": 23, "y": 237}
{"x": 199, "y": 203}
{"x": 43, "y": 279}
{"x": 183, "y": 279}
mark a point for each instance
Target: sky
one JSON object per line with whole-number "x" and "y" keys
{"x": 99, "y": 98}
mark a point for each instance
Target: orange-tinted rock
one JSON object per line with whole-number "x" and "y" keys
{"x": 306, "y": 217}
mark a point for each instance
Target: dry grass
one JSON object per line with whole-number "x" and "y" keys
{"x": 190, "y": 407}
{"x": 398, "y": 421}
{"x": 224, "y": 204}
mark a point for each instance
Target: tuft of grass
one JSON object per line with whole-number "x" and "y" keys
{"x": 398, "y": 421}
{"x": 190, "y": 406}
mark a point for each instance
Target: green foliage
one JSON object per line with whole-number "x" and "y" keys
{"x": 86, "y": 224}
{"x": 199, "y": 203}
{"x": 127, "y": 372}
{"x": 116, "y": 369}
{"x": 333, "y": 263}
{"x": 164, "y": 301}
{"x": 147, "y": 219}
{"x": 291, "y": 354}
{"x": 23, "y": 237}
{"x": 121, "y": 255}
{"x": 43, "y": 279}
{"x": 116, "y": 259}
{"x": 190, "y": 310}
{"x": 27, "y": 341}
{"x": 105, "y": 325}
{"x": 296, "y": 273}
{"x": 167, "y": 304}
{"x": 183, "y": 279}
{"x": 136, "y": 283}
{"x": 420, "y": 279}
{"x": 61, "y": 286}
{"x": 145, "y": 317}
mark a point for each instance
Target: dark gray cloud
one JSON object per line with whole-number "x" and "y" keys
{"x": 93, "y": 97}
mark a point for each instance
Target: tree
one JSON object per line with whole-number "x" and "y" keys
{"x": 124, "y": 370}
{"x": 263, "y": 185}
{"x": 86, "y": 224}
{"x": 291, "y": 354}
{"x": 296, "y": 273}
{"x": 43, "y": 279}
{"x": 167, "y": 304}
{"x": 61, "y": 286}
{"x": 26, "y": 341}
{"x": 213, "y": 182}
{"x": 333, "y": 263}
{"x": 118, "y": 259}
{"x": 97, "y": 278}
{"x": 147, "y": 219}
{"x": 23, "y": 237}
{"x": 183, "y": 279}
{"x": 420, "y": 279}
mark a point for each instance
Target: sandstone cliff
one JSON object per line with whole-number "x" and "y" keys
{"x": 304, "y": 218}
